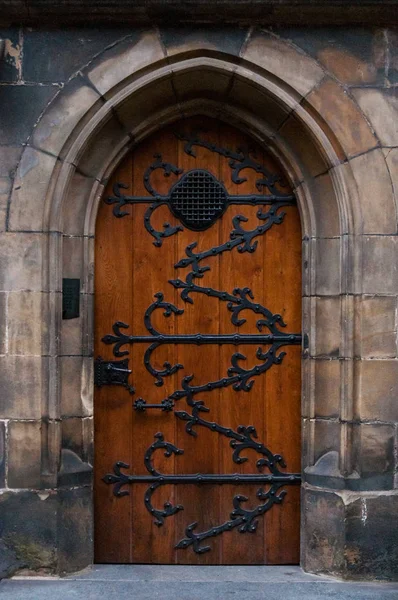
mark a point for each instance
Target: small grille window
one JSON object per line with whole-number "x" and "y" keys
{"x": 198, "y": 199}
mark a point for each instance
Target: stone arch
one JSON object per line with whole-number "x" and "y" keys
{"x": 281, "y": 97}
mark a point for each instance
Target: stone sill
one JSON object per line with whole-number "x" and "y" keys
{"x": 146, "y": 12}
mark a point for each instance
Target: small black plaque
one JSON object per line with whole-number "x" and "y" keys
{"x": 70, "y": 298}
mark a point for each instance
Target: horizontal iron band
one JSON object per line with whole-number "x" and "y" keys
{"x": 198, "y": 478}
{"x": 199, "y": 338}
{"x": 252, "y": 199}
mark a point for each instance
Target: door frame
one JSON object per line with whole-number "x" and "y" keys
{"x": 71, "y": 213}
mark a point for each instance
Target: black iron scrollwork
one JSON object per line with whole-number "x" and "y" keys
{"x": 245, "y": 520}
{"x": 198, "y": 199}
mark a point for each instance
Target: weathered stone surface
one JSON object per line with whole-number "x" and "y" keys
{"x": 377, "y": 390}
{"x": 21, "y": 261}
{"x": 303, "y": 148}
{"x": 201, "y": 82}
{"x": 299, "y": 71}
{"x": 381, "y": 108}
{"x": 353, "y": 55}
{"x": 9, "y": 157}
{"x": 22, "y": 104}
{"x": 76, "y": 381}
{"x": 391, "y": 156}
{"x": 249, "y": 96}
{"x": 324, "y": 205}
{"x": 374, "y": 186}
{"x": 141, "y": 49}
{"x": 338, "y": 115}
{"x": 377, "y": 327}
{"x": 27, "y": 325}
{"x": 326, "y": 438}
{"x": 227, "y": 40}
{"x": 2, "y": 456}
{"x": 28, "y": 525}
{"x": 30, "y": 188}
{"x": 328, "y": 330}
{"x": 327, "y": 252}
{"x": 12, "y": 59}
{"x": 74, "y": 212}
{"x": 21, "y": 381}
{"x": 75, "y": 529}
{"x": 323, "y": 530}
{"x": 3, "y": 323}
{"x": 24, "y": 453}
{"x": 9, "y": 562}
{"x": 145, "y": 103}
{"x": 55, "y": 55}
{"x": 327, "y": 388}
{"x": 374, "y": 454}
{"x": 380, "y": 265}
{"x": 371, "y": 544}
{"x": 76, "y": 100}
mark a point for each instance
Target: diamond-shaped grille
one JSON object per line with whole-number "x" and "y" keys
{"x": 198, "y": 199}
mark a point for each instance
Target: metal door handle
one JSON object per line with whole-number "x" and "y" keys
{"x": 141, "y": 405}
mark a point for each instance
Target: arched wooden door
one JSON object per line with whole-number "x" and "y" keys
{"x": 198, "y": 294}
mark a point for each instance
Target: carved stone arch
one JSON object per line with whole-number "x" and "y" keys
{"x": 280, "y": 113}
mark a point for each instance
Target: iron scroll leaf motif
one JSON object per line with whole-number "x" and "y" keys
{"x": 185, "y": 203}
{"x": 198, "y": 199}
{"x": 245, "y": 520}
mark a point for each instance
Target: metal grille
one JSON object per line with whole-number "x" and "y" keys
{"x": 198, "y": 199}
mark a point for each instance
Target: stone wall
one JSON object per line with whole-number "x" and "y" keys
{"x": 324, "y": 100}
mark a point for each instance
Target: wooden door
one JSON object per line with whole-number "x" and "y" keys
{"x": 198, "y": 294}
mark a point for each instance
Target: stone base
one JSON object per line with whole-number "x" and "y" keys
{"x": 46, "y": 531}
{"x": 350, "y": 535}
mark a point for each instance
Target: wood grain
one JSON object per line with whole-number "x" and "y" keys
{"x": 130, "y": 269}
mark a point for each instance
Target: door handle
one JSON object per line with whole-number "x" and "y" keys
{"x": 114, "y": 372}
{"x": 141, "y": 405}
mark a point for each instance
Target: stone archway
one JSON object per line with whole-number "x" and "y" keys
{"x": 286, "y": 101}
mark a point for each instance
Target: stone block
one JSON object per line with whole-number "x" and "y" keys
{"x": 377, "y": 390}
{"x": 326, "y": 438}
{"x": 24, "y": 454}
{"x": 371, "y": 541}
{"x": 30, "y": 190}
{"x": 140, "y": 50}
{"x": 381, "y": 108}
{"x": 3, "y": 323}
{"x": 337, "y": 113}
{"x": 375, "y": 193}
{"x": 323, "y": 531}
{"x": 373, "y": 455}
{"x": 380, "y": 265}
{"x": 327, "y": 253}
{"x": 27, "y": 325}
{"x": 226, "y": 40}
{"x": 145, "y": 103}
{"x": 23, "y": 105}
{"x": 77, "y": 385}
{"x": 109, "y": 140}
{"x": 9, "y": 158}
{"x": 74, "y": 211}
{"x": 77, "y": 436}
{"x": 283, "y": 60}
{"x": 21, "y": 385}
{"x": 303, "y": 148}
{"x": 354, "y": 56}
{"x": 11, "y": 64}
{"x": 391, "y": 156}
{"x": 2, "y": 455}
{"x": 202, "y": 82}
{"x": 75, "y": 529}
{"x": 73, "y": 102}
{"x": 9, "y": 562}
{"x": 328, "y": 327}
{"x": 377, "y": 327}
{"x": 28, "y": 522}
{"x": 21, "y": 261}
{"x": 327, "y": 388}
{"x": 249, "y": 95}
{"x": 327, "y": 221}
{"x": 56, "y": 55}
